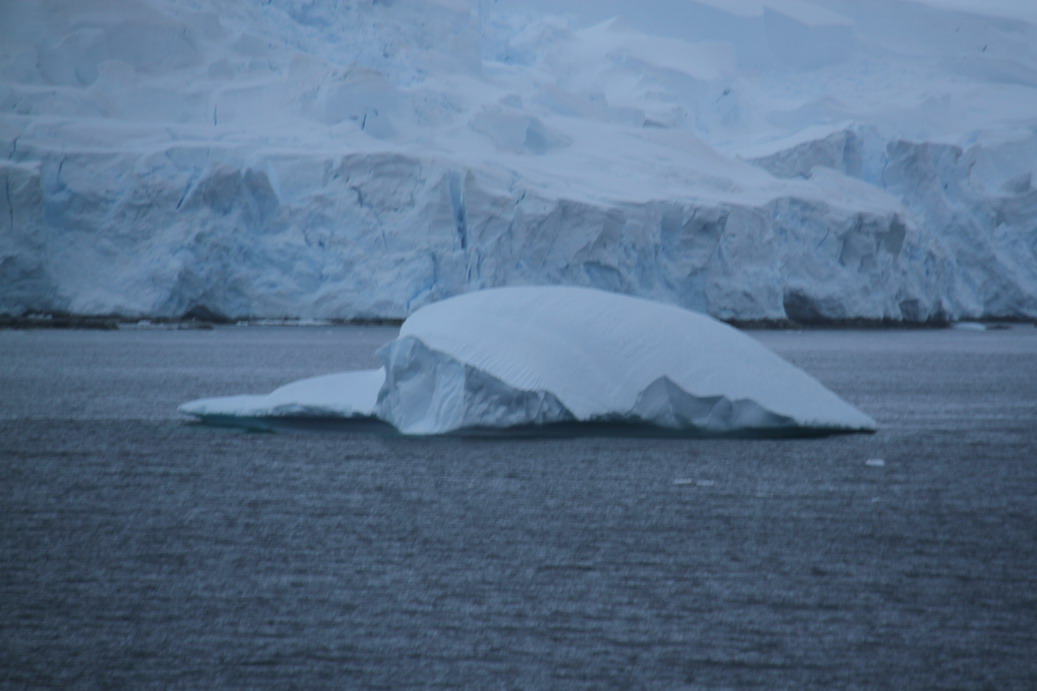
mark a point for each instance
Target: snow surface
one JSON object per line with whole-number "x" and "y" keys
{"x": 345, "y": 395}
{"x": 538, "y": 355}
{"x": 751, "y": 159}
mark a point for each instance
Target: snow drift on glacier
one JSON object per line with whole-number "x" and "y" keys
{"x": 534, "y": 356}
{"x": 751, "y": 159}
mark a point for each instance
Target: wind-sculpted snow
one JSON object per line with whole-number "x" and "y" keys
{"x": 761, "y": 159}
{"x": 343, "y": 395}
{"x": 538, "y": 356}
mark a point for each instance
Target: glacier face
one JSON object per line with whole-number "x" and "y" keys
{"x": 764, "y": 159}
{"x": 533, "y": 356}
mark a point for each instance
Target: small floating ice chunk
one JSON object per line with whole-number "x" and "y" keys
{"x": 969, "y": 326}
{"x": 687, "y": 481}
{"x": 875, "y": 462}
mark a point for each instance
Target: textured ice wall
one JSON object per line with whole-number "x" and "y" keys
{"x": 382, "y": 234}
{"x": 812, "y": 160}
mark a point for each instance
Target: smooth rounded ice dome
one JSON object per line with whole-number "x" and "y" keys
{"x": 537, "y": 355}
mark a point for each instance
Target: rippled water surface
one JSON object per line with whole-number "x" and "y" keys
{"x": 138, "y": 550}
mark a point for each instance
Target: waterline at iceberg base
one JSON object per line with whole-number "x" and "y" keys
{"x": 544, "y": 358}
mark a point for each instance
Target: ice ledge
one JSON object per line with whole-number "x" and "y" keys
{"x": 340, "y": 395}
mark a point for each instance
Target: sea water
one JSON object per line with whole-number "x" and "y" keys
{"x": 138, "y": 549}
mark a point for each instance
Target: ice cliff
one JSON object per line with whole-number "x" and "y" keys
{"x": 751, "y": 159}
{"x": 542, "y": 355}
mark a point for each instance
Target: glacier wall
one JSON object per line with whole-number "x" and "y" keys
{"x": 378, "y": 235}
{"x": 356, "y": 160}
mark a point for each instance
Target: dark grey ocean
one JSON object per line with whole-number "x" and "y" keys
{"x": 138, "y": 550}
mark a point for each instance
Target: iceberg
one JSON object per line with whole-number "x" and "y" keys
{"x": 535, "y": 356}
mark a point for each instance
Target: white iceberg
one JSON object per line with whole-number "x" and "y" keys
{"x": 344, "y": 394}
{"x": 535, "y": 356}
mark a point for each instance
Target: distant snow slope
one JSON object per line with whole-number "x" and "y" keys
{"x": 811, "y": 159}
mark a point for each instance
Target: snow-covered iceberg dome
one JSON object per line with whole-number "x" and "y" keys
{"x": 539, "y": 355}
